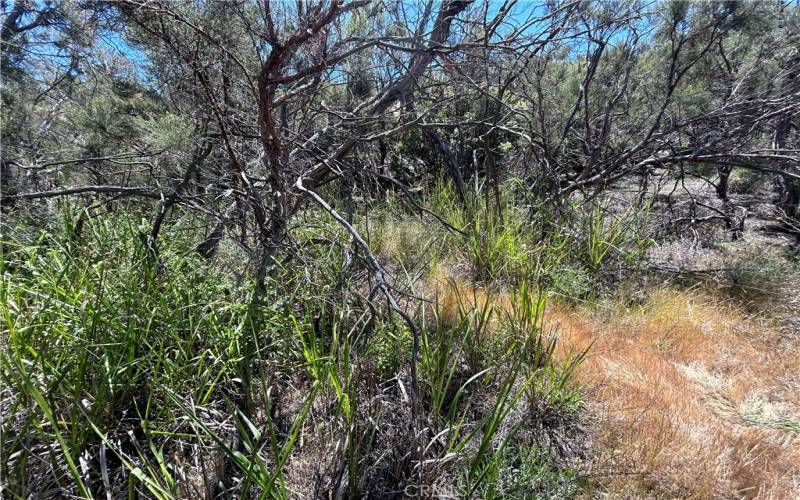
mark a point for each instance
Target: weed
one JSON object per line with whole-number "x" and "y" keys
{"x": 169, "y": 375}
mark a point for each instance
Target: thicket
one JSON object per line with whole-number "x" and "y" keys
{"x": 279, "y": 249}
{"x": 128, "y": 376}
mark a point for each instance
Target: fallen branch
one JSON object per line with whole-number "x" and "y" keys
{"x": 382, "y": 285}
{"x": 135, "y": 190}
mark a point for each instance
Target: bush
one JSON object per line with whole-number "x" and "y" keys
{"x": 98, "y": 340}
{"x": 169, "y": 374}
{"x": 533, "y": 475}
{"x": 388, "y": 348}
{"x": 745, "y": 181}
{"x": 571, "y": 283}
{"x": 758, "y": 271}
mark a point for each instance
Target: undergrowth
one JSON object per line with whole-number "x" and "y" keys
{"x": 126, "y": 376}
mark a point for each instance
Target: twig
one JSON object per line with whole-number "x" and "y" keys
{"x": 381, "y": 284}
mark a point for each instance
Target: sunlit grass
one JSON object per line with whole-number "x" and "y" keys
{"x": 128, "y": 376}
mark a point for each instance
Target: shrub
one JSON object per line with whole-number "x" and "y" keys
{"x": 571, "y": 283}
{"x": 388, "y": 348}
{"x": 758, "y": 271}
{"x": 531, "y": 473}
{"x": 110, "y": 358}
{"x": 169, "y": 374}
{"x": 745, "y": 181}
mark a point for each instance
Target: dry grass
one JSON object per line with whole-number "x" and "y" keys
{"x": 694, "y": 400}
{"x": 691, "y": 398}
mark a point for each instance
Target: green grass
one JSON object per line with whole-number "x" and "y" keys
{"x": 127, "y": 377}
{"x": 99, "y": 343}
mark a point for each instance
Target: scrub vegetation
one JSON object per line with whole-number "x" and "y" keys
{"x": 388, "y": 249}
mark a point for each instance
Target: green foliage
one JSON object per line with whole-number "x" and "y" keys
{"x": 608, "y": 238}
{"x": 497, "y": 241}
{"x": 97, "y": 341}
{"x": 745, "y": 181}
{"x": 442, "y": 198}
{"x": 113, "y": 360}
{"x": 448, "y": 355}
{"x": 529, "y": 473}
{"x": 523, "y": 370}
{"x": 758, "y": 272}
{"x": 113, "y": 118}
{"x": 571, "y": 283}
{"x": 600, "y": 236}
{"x": 389, "y": 347}
{"x": 550, "y": 378}
{"x": 498, "y": 248}
{"x": 166, "y": 132}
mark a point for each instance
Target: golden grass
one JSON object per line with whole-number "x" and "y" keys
{"x": 692, "y": 399}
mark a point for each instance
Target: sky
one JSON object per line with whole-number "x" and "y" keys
{"x": 50, "y": 57}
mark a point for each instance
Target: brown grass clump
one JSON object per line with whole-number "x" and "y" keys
{"x": 692, "y": 399}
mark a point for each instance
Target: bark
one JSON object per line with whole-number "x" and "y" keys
{"x": 208, "y": 247}
{"x": 788, "y": 188}
{"x": 142, "y": 191}
{"x": 454, "y": 166}
{"x": 724, "y": 173}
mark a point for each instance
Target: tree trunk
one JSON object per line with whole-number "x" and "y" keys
{"x": 724, "y": 172}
